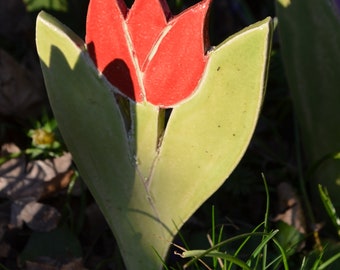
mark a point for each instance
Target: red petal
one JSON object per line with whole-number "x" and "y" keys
{"x": 108, "y": 46}
{"x": 143, "y": 54}
{"x": 177, "y": 62}
{"x": 146, "y": 20}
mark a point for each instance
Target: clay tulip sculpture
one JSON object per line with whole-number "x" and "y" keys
{"x": 147, "y": 172}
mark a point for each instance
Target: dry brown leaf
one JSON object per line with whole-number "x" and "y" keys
{"x": 46, "y": 263}
{"x": 38, "y": 217}
{"x": 5, "y": 249}
{"x": 39, "y": 266}
{"x": 291, "y": 211}
{"x": 75, "y": 264}
{"x": 19, "y": 179}
{"x": 14, "y": 19}
{"x": 25, "y": 183}
{"x": 58, "y": 183}
{"x": 20, "y": 91}
{"x": 8, "y": 148}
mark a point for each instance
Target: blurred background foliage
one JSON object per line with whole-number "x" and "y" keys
{"x": 275, "y": 149}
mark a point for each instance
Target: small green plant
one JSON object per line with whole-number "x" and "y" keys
{"x": 56, "y": 5}
{"x": 44, "y": 139}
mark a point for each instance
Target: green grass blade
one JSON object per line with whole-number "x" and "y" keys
{"x": 213, "y": 235}
{"x": 225, "y": 242}
{"x": 327, "y": 202}
{"x": 329, "y": 261}
{"x": 283, "y": 255}
{"x": 264, "y": 260}
{"x": 216, "y": 254}
{"x": 244, "y": 243}
{"x": 263, "y": 243}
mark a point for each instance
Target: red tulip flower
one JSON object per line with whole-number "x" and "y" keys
{"x": 147, "y": 53}
{"x": 149, "y": 173}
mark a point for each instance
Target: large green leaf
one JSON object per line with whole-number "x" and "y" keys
{"x": 310, "y": 41}
{"x": 147, "y": 185}
{"x": 207, "y": 135}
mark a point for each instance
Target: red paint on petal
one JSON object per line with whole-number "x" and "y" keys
{"x": 108, "y": 46}
{"x": 145, "y": 55}
{"x": 176, "y": 67}
{"x": 146, "y": 20}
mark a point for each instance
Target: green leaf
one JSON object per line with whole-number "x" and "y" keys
{"x": 207, "y": 135}
{"x": 310, "y": 37}
{"x": 289, "y": 237}
{"x": 59, "y": 243}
